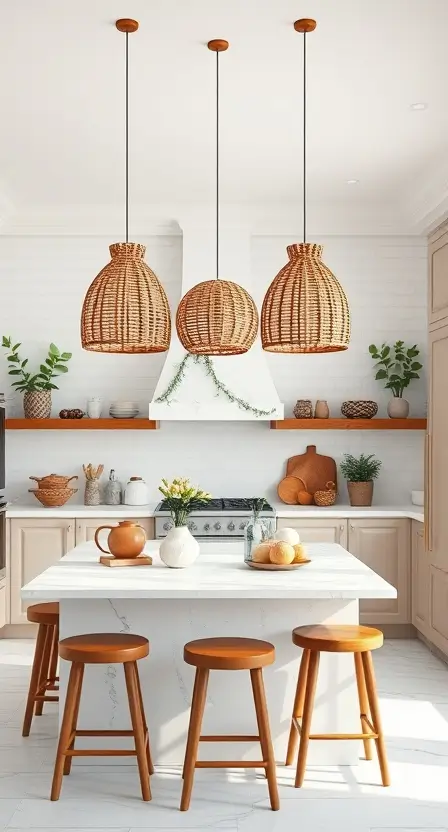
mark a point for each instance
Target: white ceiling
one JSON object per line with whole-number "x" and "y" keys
{"x": 62, "y": 104}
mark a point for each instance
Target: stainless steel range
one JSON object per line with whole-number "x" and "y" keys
{"x": 224, "y": 518}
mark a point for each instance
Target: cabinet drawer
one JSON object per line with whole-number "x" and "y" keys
{"x": 3, "y": 616}
{"x": 86, "y": 528}
{"x": 317, "y": 531}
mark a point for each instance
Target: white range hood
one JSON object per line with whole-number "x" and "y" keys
{"x": 246, "y": 376}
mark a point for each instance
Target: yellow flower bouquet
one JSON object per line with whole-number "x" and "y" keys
{"x": 182, "y": 498}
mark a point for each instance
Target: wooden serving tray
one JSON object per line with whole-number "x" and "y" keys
{"x": 144, "y": 560}
{"x": 277, "y": 567}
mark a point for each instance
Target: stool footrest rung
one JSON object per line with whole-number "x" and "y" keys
{"x": 230, "y": 764}
{"x": 100, "y": 752}
{"x": 42, "y": 698}
{"x": 230, "y": 738}
{"x": 103, "y": 734}
{"x": 372, "y": 735}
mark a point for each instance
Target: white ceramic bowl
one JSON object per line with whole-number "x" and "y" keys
{"x": 418, "y": 498}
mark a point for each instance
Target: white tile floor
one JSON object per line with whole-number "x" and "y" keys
{"x": 413, "y": 688}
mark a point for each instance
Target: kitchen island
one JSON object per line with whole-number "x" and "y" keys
{"x": 219, "y": 595}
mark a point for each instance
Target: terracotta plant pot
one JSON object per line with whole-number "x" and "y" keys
{"x": 360, "y": 493}
{"x": 127, "y": 540}
{"x": 398, "y": 408}
{"x": 37, "y": 404}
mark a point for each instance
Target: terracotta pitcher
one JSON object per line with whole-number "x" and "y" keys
{"x": 126, "y": 540}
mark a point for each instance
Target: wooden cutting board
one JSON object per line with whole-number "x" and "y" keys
{"x": 314, "y": 469}
{"x": 288, "y": 490}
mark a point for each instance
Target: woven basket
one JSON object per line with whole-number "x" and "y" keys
{"x": 125, "y": 309}
{"x": 328, "y": 497}
{"x": 305, "y": 308}
{"x": 217, "y": 317}
{"x": 53, "y": 497}
{"x": 359, "y": 409}
{"x": 37, "y": 404}
{"x": 52, "y": 481}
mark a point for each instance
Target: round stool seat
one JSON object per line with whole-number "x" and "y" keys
{"x": 229, "y": 653}
{"x": 348, "y": 638}
{"x": 44, "y": 613}
{"x": 104, "y": 648}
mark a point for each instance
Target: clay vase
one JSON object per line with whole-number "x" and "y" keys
{"x": 127, "y": 540}
{"x": 360, "y": 493}
{"x": 321, "y": 411}
{"x": 398, "y": 408}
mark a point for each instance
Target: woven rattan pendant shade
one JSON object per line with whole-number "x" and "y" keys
{"x": 217, "y": 317}
{"x": 125, "y": 309}
{"x": 305, "y": 309}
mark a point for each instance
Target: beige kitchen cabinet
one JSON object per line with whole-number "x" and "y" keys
{"x": 385, "y": 546}
{"x": 35, "y": 544}
{"x": 438, "y": 276}
{"x": 438, "y": 606}
{"x": 86, "y": 528}
{"x": 421, "y": 570}
{"x": 318, "y": 531}
{"x": 3, "y": 604}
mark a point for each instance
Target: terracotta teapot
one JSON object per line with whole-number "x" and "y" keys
{"x": 127, "y": 540}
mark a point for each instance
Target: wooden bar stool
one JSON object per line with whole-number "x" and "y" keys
{"x": 43, "y": 673}
{"x": 228, "y": 654}
{"x": 103, "y": 648}
{"x": 336, "y": 639}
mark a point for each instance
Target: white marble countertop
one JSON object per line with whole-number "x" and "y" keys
{"x": 219, "y": 572}
{"x": 75, "y": 510}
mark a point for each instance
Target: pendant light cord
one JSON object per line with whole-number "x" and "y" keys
{"x": 304, "y": 137}
{"x": 126, "y": 141}
{"x": 217, "y": 165}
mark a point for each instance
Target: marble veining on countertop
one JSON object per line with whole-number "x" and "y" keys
{"x": 219, "y": 572}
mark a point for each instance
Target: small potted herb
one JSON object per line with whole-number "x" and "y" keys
{"x": 36, "y": 387}
{"x": 360, "y": 472}
{"x": 397, "y": 366}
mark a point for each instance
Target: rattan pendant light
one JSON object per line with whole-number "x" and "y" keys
{"x": 217, "y": 317}
{"x": 125, "y": 309}
{"x": 305, "y": 309}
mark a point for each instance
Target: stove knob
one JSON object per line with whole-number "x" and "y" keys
{"x": 207, "y": 527}
{"x": 231, "y": 527}
{"x": 167, "y": 526}
{"x": 192, "y": 527}
{"x": 217, "y": 526}
{"x": 243, "y": 526}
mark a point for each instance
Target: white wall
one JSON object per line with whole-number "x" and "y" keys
{"x": 43, "y": 281}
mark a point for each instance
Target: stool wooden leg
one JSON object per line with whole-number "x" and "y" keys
{"x": 363, "y": 703}
{"x": 376, "y": 717}
{"x": 34, "y": 680}
{"x": 138, "y": 729}
{"x": 297, "y": 712}
{"x": 307, "y": 714}
{"x": 53, "y": 671}
{"x": 66, "y": 728}
{"x": 189, "y": 727}
{"x": 45, "y": 666}
{"x": 194, "y": 732}
{"x": 261, "y": 710}
{"x": 145, "y": 725}
{"x": 77, "y": 695}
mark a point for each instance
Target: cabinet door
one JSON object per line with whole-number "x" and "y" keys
{"x": 384, "y": 546}
{"x": 3, "y": 613}
{"x": 420, "y": 580}
{"x": 437, "y": 450}
{"x": 35, "y": 544}
{"x": 438, "y": 603}
{"x": 317, "y": 531}
{"x": 86, "y": 528}
{"x": 438, "y": 277}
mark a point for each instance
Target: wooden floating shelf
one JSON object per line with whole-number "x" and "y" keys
{"x": 348, "y": 424}
{"x": 81, "y": 424}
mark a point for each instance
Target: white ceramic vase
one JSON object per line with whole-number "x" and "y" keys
{"x": 179, "y": 548}
{"x": 398, "y": 408}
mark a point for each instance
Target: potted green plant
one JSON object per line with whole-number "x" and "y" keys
{"x": 397, "y": 366}
{"x": 36, "y": 387}
{"x": 360, "y": 472}
{"x": 179, "y": 548}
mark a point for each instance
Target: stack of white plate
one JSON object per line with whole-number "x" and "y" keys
{"x": 123, "y": 410}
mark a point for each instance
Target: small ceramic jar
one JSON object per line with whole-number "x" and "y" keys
{"x": 321, "y": 411}
{"x": 136, "y": 492}
{"x": 303, "y": 409}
